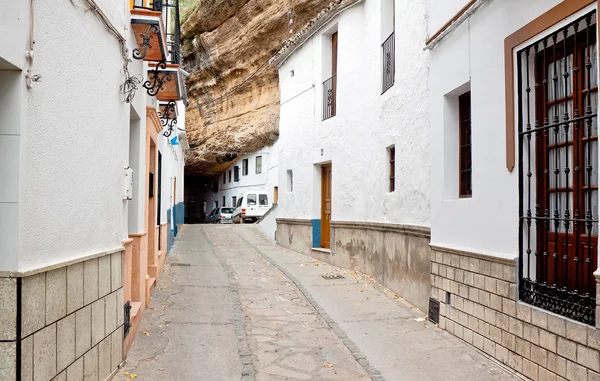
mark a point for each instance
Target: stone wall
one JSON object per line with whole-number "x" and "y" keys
{"x": 295, "y": 234}
{"x": 485, "y": 312}
{"x": 71, "y": 322}
{"x": 393, "y": 254}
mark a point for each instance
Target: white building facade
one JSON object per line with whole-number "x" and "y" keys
{"x": 514, "y": 210}
{"x": 253, "y": 172}
{"x": 74, "y": 218}
{"x": 354, "y": 157}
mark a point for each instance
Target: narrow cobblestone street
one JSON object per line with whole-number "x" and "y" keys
{"x": 233, "y": 306}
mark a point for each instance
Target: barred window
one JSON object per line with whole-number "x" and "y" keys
{"x": 558, "y": 163}
{"x": 464, "y": 133}
{"x": 258, "y": 168}
{"x": 392, "y": 167}
{"x": 245, "y": 167}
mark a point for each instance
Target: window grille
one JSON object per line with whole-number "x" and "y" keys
{"x": 558, "y": 170}
{"x": 389, "y": 63}
{"x": 465, "y": 157}
{"x": 329, "y": 95}
{"x": 258, "y": 163}
{"x": 392, "y": 157}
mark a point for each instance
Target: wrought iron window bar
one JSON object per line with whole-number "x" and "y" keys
{"x": 389, "y": 63}
{"x": 329, "y": 97}
{"x": 558, "y": 170}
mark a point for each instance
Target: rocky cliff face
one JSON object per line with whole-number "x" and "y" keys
{"x": 233, "y": 94}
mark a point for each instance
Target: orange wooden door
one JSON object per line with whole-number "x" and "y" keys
{"x": 326, "y": 206}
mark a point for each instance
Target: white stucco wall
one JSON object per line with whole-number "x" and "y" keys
{"x": 264, "y": 181}
{"x": 355, "y": 141}
{"x": 14, "y": 39}
{"x": 441, "y": 11}
{"x": 71, "y": 201}
{"x": 64, "y": 143}
{"x": 475, "y": 53}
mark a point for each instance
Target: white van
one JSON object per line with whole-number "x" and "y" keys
{"x": 251, "y": 206}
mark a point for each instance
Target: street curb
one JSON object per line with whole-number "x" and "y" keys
{"x": 352, "y": 347}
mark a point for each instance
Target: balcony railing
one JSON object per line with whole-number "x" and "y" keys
{"x": 149, "y": 5}
{"x": 389, "y": 63}
{"x": 171, "y": 15}
{"x": 329, "y": 97}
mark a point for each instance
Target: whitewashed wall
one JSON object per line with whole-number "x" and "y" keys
{"x": 356, "y": 139}
{"x": 264, "y": 181}
{"x": 473, "y": 56}
{"x": 64, "y": 143}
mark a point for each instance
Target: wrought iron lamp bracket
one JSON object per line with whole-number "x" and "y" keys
{"x": 156, "y": 81}
{"x": 168, "y": 122}
{"x": 145, "y": 44}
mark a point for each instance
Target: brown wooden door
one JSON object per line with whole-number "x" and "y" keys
{"x": 326, "y": 206}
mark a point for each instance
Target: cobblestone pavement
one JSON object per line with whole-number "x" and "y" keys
{"x": 233, "y": 306}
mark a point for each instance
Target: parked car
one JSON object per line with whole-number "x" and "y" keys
{"x": 251, "y": 206}
{"x": 219, "y": 216}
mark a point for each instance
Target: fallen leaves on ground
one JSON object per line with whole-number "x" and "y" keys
{"x": 396, "y": 296}
{"x": 327, "y": 365}
{"x": 146, "y": 333}
{"x": 421, "y": 319}
{"x": 161, "y": 369}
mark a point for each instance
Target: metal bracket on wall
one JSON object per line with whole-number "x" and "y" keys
{"x": 127, "y": 318}
{"x": 156, "y": 81}
{"x": 168, "y": 118}
{"x": 145, "y": 44}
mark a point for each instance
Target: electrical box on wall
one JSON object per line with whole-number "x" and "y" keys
{"x": 128, "y": 184}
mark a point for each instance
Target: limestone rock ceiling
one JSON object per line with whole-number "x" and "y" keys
{"x": 233, "y": 95}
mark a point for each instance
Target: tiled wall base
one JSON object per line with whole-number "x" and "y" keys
{"x": 484, "y": 312}
{"x": 71, "y": 325}
{"x": 395, "y": 255}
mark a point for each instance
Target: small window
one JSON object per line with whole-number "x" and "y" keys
{"x": 224, "y": 178}
{"x": 392, "y": 167}
{"x": 234, "y": 201}
{"x": 245, "y": 167}
{"x": 290, "y": 180}
{"x": 236, "y": 173}
{"x": 330, "y": 85}
{"x": 251, "y": 199}
{"x": 230, "y": 173}
{"x": 223, "y": 200}
{"x": 263, "y": 199}
{"x": 259, "y": 164}
{"x": 464, "y": 133}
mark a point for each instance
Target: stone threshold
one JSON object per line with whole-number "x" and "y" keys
{"x": 321, "y": 250}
